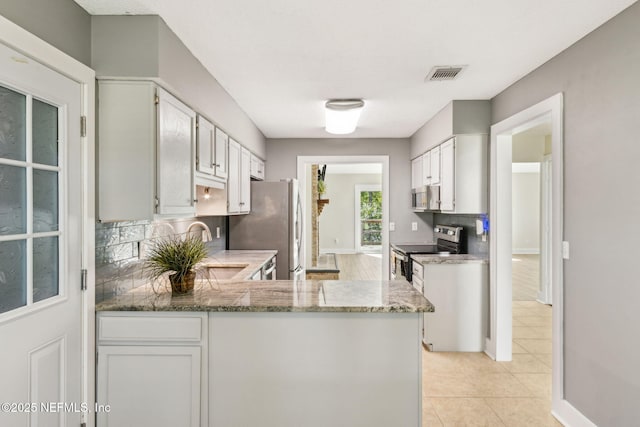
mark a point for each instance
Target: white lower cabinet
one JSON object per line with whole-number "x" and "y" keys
{"x": 152, "y": 369}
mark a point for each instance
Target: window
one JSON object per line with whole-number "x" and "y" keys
{"x": 30, "y": 183}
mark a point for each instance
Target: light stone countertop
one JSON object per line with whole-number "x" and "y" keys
{"x": 372, "y": 296}
{"x": 450, "y": 259}
{"x": 251, "y": 260}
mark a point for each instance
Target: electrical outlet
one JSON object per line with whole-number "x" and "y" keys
{"x": 392, "y": 226}
{"x": 336, "y": 240}
{"x": 414, "y": 226}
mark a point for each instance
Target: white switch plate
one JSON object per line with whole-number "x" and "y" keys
{"x": 392, "y": 226}
{"x": 565, "y": 249}
{"x": 414, "y": 226}
{"x": 217, "y": 232}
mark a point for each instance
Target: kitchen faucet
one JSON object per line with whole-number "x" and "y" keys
{"x": 204, "y": 226}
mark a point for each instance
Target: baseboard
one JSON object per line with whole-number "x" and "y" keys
{"x": 525, "y": 251}
{"x": 569, "y": 416}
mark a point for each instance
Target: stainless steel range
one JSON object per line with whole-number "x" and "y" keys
{"x": 449, "y": 240}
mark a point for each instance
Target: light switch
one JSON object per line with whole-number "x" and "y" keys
{"x": 392, "y": 226}
{"x": 565, "y": 250}
{"x": 217, "y": 232}
{"x": 414, "y": 226}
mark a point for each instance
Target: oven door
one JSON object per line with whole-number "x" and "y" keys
{"x": 401, "y": 267}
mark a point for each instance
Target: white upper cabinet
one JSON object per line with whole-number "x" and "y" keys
{"x": 416, "y": 173}
{"x": 239, "y": 181}
{"x": 146, "y": 152}
{"x": 257, "y": 168}
{"x": 426, "y": 168}
{"x": 447, "y": 183}
{"x": 245, "y": 181}
{"x": 221, "y": 163}
{"x": 464, "y": 174}
{"x": 211, "y": 161}
{"x": 205, "y": 158}
{"x": 434, "y": 166}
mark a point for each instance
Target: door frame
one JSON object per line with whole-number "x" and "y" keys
{"x": 359, "y": 188}
{"x": 499, "y": 343}
{"x": 303, "y": 161}
{"x": 545, "y": 294}
{"x": 39, "y": 50}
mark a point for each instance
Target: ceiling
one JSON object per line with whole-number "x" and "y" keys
{"x": 281, "y": 59}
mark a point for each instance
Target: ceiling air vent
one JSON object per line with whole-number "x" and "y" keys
{"x": 440, "y": 73}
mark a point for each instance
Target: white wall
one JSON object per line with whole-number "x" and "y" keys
{"x": 598, "y": 77}
{"x": 337, "y": 220}
{"x": 526, "y": 212}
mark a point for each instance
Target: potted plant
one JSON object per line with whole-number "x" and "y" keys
{"x": 322, "y": 187}
{"x": 178, "y": 257}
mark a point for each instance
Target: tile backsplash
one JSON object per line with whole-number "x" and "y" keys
{"x": 120, "y": 248}
{"x": 475, "y": 245}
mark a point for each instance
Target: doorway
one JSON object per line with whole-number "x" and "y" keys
{"x": 346, "y": 239}
{"x": 499, "y": 342}
{"x": 45, "y": 242}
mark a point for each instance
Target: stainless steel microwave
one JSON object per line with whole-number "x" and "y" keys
{"x": 426, "y": 198}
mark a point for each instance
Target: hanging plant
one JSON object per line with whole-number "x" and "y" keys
{"x": 322, "y": 187}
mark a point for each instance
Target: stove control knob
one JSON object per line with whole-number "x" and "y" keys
{"x": 451, "y": 233}
{"x": 436, "y": 230}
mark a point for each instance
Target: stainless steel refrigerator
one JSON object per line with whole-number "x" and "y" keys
{"x": 275, "y": 222}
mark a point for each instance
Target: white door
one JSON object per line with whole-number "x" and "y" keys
{"x": 40, "y": 245}
{"x": 245, "y": 180}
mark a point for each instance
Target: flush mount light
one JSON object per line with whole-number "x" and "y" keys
{"x": 342, "y": 115}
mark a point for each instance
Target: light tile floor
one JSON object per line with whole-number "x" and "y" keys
{"x": 470, "y": 389}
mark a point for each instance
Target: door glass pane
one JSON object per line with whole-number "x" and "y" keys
{"x": 13, "y": 205}
{"x": 13, "y": 275}
{"x": 45, "y": 133}
{"x": 45, "y": 201}
{"x": 12, "y": 125}
{"x": 45, "y": 268}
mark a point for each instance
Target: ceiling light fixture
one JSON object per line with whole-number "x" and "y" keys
{"x": 341, "y": 115}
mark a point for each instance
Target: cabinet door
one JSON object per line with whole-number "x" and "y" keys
{"x": 149, "y": 386}
{"x": 434, "y": 162}
{"x": 205, "y": 141}
{"x": 245, "y": 180}
{"x": 416, "y": 173}
{"x": 234, "y": 177}
{"x": 221, "y": 149}
{"x": 426, "y": 168}
{"x": 257, "y": 168}
{"x": 176, "y": 131}
{"x": 447, "y": 175}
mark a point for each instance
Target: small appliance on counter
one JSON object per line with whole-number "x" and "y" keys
{"x": 449, "y": 240}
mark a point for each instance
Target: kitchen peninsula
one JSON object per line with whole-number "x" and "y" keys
{"x": 268, "y": 353}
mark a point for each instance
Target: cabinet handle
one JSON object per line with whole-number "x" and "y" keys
{"x": 216, "y": 165}
{"x": 241, "y": 203}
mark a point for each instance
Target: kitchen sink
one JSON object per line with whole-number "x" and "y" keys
{"x": 224, "y": 271}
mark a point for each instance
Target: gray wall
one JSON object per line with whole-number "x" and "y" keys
{"x": 599, "y": 79}
{"x": 459, "y": 117}
{"x": 282, "y": 163}
{"x": 144, "y": 46}
{"x": 338, "y": 217}
{"x": 62, "y": 23}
